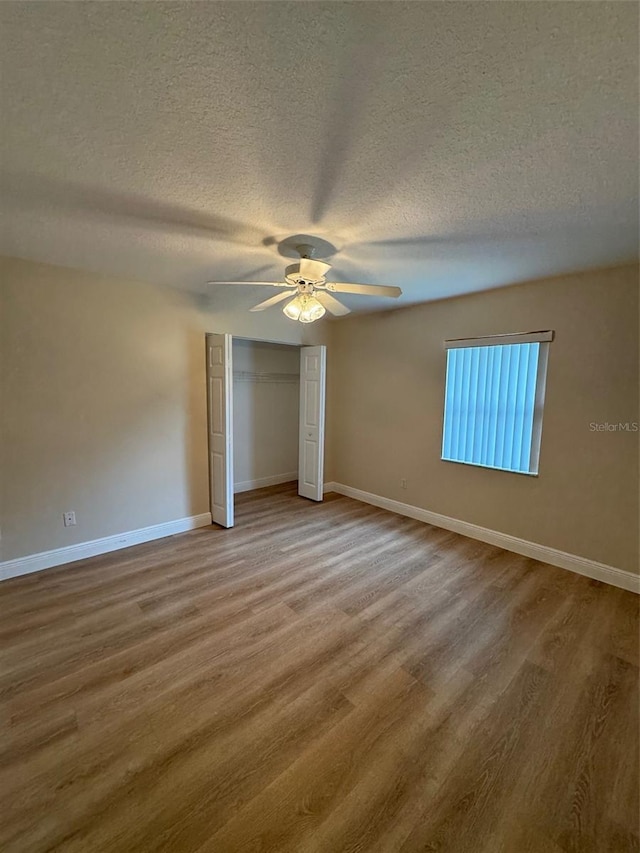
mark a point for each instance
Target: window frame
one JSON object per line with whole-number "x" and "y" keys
{"x": 543, "y": 338}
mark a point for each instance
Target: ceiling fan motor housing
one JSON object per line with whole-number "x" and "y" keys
{"x": 292, "y": 275}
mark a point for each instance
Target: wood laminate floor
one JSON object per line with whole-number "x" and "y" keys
{"x": 323, "y": 678}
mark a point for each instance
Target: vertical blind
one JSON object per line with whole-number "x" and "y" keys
{"x": 492, "y": 412}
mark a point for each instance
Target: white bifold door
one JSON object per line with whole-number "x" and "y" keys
{"x": 220, "y": 425}
{"x": 313, "y": 362}
{"x": 313, "y": 369}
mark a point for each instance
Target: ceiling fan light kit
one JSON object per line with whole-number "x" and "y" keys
{"x": 304, "y": 308}
{"x": 313, "y": 292}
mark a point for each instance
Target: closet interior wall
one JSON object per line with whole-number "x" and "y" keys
{"x": 266, "y": 393}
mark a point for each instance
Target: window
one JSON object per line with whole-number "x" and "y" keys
{"x": 494, "y": 395}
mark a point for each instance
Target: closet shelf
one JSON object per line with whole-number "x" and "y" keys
{"x": 250, "y": 376}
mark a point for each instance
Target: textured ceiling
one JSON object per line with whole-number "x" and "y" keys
{"x": 443, "y": 147}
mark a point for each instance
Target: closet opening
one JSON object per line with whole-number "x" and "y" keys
{"x": 265, "y": 418}
{"x": 266, "y": 403}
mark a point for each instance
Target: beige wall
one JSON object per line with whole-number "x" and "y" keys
{"x": 103, "y": 402}
{"x": 386, "y": 401}
{"x": 103, "y": 407}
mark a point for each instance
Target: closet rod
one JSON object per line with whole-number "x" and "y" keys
{"x": 252, "y": 376}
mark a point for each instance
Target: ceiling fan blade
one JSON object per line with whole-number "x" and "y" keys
{"x": 331, "y": 303}
{"x": 256, "y": 283}
{"x": 269, "y": 302}
{"x": 313, "y": 270}
{"x": 366, "y": 289}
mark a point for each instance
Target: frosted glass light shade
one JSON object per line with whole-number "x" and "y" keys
{"x": 312, "y": 311}
{"x": 305, "y": 308}
{"x": 292, "y": 309}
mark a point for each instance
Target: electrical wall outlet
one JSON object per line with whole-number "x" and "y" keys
{"x": 403, "y": 483}
{"x": 69, "y": 518}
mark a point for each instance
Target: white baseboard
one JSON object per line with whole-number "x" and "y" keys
{"x": 543, "y": 553}
{"x": 71, "y": 553}
{"x": 275, "y": 480}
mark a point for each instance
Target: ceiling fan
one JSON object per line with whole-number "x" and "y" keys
{"x": 309, "y": 292}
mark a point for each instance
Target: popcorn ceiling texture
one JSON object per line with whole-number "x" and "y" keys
{"x": 443, "y": 147}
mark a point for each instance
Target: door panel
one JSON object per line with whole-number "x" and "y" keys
{"x": 312, "y": 410}
{"x": 220, "y": 428}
